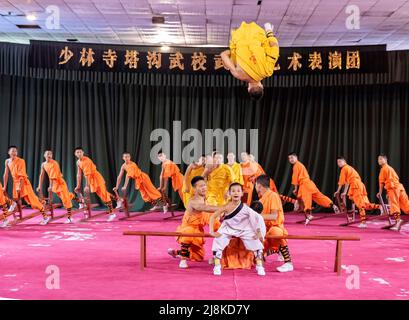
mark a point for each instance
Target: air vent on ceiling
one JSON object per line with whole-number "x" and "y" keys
{"x": 158, "y": 19}
{"x": 28, "y": 26}
{"x": 72, "y": 40}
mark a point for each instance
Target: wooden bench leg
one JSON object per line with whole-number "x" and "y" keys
{"x": 338, "y": 254}
{"x": 142, "y": 261}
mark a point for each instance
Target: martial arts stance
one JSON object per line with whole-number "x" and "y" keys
{"x": 142, "y": 182}
{"x": 94, "y": 181}
{"x": 355, "y": 189}
{"x": 193, "y": 170}
{"x": 273, "y": 215}
{"x": 169, "y": 171}
{"x": 236, "y": 168}
{"x": 22, "y": 187}
{"x": 219, "y": 177}
{"x": 57, "y": 182}
{"x": 397, "y": 196}
{"x": 196, "y": 217}
{"x": 306, "y": 190}
{"x": 239, "y": 221}
{"x": 252, "y": 56}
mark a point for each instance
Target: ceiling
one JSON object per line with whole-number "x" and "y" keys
{"x": 208, "y": 22}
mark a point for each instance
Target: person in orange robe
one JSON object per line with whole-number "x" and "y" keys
{"x": 94, "y": 181}
{"x": 169, "y": 171}
{"x": 193, "y": 170}
{"x": 306, "y": 190}
{"x": 142, "y": 182}
{"x": 397, "y": 196}
{"x": 5, "y": 202}
{"x": 273, "y": 215}
{"x": 354, "y": 188}
{"x": 196, "y": 217}
{"x": 249, "y": 170}
{"x": 57, "y": 182}
{"x": 260, "y": 171}
{"x": 22, "y": 187}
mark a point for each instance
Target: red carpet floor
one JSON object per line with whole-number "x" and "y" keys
{"x": 96, "y": 262}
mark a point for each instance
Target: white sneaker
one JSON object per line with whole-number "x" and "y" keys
{"x": 5, "y": 223}
{"x": 183, "y": 264}
{"x": 45, "y": 221}
{"x": 69, "y": 220}
{"x": 280, "y": 257}
{"x": 397, "y": 226}
{"x": 172, "y": 253}
{"x": 12, "y": 207}
{"x": 217, "y": 270}
{"x": 362, "y": 225}
{"x": 81, "y": 205}
{"x": 156, "y": 208}
{"x": 260, "y": 270}
{"x": 286, "y": 267}
{"x": 119, "y": 204}
{"x": 111, "y": 217}
{"x": 268, "y": 27}
{"x": 308, "y": 219}
{"x": 165, "y": 208}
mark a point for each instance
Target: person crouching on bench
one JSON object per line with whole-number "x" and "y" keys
{"x": 239, "y": 221}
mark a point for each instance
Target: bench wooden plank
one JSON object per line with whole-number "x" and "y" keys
{"x": 144, "y": 234}
{"x": 207, "y": 235}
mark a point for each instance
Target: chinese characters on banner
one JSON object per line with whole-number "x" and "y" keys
{"x": 199, "y": 60}
{"x": 78, "y": 56}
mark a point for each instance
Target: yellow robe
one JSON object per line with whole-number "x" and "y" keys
{"x": 193, "y": 173}
{"x": 250, "y": 49}
{"x": 218, "y": 183}
{"x": 238, "y": 176}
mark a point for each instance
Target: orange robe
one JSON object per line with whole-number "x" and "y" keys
{"x": 271, "y": 202}
{"x": 95, "y": 179}
{"x": 171, "y": 170}
{"x": 307, "y": 190}
{"x": 260, "y": 172}
{"x": 18, "y": 172}
{"x": 142, "y": 182}
{"x": 249, "y": 170}
{"x": 59, "y": 186}
{"x": 3, "y": 199}
{"x": 397, "y": 196}
{"x": 193, "y": 223}
{"x": 198, "y": 171}
{"x": 357, "y": 191}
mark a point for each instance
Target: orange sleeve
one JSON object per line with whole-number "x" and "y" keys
{"x": 342, "y": 177}
{"x": 296, "y": 173}
{"x": 168, "y": 170}
{"x": 21, "y": 172}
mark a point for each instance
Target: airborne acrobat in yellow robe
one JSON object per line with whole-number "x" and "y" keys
{"x": 250, "y": 49}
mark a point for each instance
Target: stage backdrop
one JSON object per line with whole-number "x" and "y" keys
{"x": 356, "y": 115}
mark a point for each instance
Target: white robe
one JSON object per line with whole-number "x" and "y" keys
{"x": 241, "y": 223}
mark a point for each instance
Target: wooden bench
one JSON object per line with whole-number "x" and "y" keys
{"x": 144, "y": 234}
